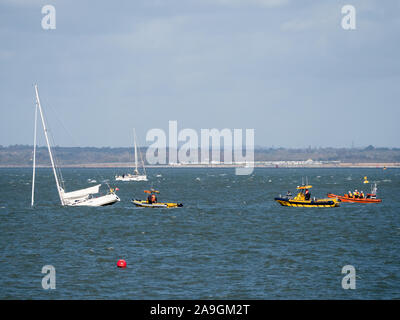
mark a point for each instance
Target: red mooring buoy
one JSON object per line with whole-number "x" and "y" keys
{"x": 121, "y": 263}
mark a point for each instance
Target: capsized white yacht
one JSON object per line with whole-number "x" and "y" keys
{"x": 81, "y": 197}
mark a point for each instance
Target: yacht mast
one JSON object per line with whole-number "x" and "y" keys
{"x": 134, "y": 137}
{"x": 34, "y": 157}
{"x": 48, "y": 145}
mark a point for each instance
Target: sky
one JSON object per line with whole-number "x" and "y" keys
{"x": 285, "y": 68}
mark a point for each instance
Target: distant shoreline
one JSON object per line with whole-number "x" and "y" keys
{"x": 257, "y": 165}
{"x": 91, "y": 157}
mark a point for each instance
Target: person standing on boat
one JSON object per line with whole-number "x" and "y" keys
{"x": 152, "y": 198}
{"x": 307, "y": 195}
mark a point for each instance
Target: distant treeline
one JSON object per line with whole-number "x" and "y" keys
{"x": 21, "y": 155}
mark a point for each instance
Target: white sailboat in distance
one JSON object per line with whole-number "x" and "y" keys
{"x": 136, "y": 176}
{"x": 82, "y": 197}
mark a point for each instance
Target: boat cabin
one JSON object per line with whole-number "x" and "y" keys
{"x": 302, "y": 192}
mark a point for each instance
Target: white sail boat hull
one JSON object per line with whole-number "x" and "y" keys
{"x": 105, "y": 200}
{"x": 84, "y": 197}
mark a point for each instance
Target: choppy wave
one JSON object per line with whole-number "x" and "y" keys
{"x": 229, "y": 240}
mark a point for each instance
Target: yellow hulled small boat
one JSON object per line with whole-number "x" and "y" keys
{"x": 301, "y": 200}
{"x": 153, "y": 203}
{"x": 146, "y": 204}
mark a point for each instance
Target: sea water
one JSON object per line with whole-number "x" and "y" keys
{"x": 230, "y": 240}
